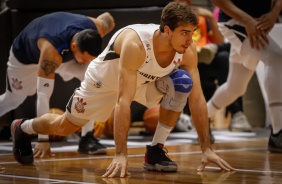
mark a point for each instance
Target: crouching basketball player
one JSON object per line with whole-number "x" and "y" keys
{"x": 140, "y": 63}
{"x": 59, "y": 43}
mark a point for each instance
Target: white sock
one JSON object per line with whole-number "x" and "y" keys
{"x": 27, "y": 127}
{"x": 88, "y": 127}
{"x": 161, "y": 134}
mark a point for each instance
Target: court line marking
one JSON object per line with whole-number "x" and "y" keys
{"x": 44, "y": 179}
{"x": 136, "y": 155}
{"x": 248, "y": 170}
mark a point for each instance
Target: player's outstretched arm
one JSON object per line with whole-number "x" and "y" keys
{"x": 132, "y": 56}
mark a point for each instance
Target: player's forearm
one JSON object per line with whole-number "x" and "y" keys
{"x": 277, "y": 7}
{"x": 199, "y": 114}
{"x": 228, "y": 7}
{"x": 121, "y": 127}
{"x": 216, "y": 36}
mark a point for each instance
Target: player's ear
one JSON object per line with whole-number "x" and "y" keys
{"x": 73, "y": 46}
{"x": 166, "y": 30}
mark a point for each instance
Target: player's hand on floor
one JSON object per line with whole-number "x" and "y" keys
{"x": 210, "y": 157}
{"x": 2, "y": 169}
{"x": 42, "y": 150}
{"x": 118, "y": 166}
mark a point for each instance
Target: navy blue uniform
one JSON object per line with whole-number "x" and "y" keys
{"x": 254, "y": 8}
{"x": 58, "y": 28}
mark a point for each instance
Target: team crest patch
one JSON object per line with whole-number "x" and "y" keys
{"x": 177, "y": 62}
{"x": 17, "y": 84}
{"x": 79, "y": 105}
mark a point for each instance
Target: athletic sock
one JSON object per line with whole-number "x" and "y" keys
{"x": 88, "y": 127}
{"x": 161, "y": 134}
{"x": 26, "y": 127}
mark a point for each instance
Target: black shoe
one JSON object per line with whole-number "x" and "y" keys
{"x": 90, "y": 145}
{"x": 275, "y": 142}
{"x": 156, "y": 159}
{"x": 22, "y": 148}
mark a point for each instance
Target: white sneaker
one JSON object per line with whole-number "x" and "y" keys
{"x": 240, "y": 123}
{"x": 183, "y": 124}
{"x": 206, "y": 54}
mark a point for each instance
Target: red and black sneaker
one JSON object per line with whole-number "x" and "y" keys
{"x": 156, "y": 159}
{"x": 22, "y": 148}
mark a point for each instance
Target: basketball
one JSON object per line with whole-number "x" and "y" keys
{"x": 151, "y": 118}
{"x": 109, "y": 126}
{"x": 56, "y": 111}
{"x": 56, "y": 137}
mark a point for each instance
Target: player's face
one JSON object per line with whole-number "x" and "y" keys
{"x": 83, "y": 58}
{"x": 181, "y": 38}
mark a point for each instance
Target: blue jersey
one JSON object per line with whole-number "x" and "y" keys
{"x": 254, "y": 8}
{"x": 58, "y": 28}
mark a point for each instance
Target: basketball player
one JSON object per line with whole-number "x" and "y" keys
{"x": 142, "y": 62}
{"x": 60, "y": 42}
{"x": 246, "y": 26}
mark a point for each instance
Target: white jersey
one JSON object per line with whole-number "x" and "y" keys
{"x": 104, "y": 67}
{"x": 97, "y": 95}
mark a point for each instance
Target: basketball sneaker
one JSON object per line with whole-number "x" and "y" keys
{"x": 156, "y": 159}
{"x": 22, "y": 148}
{"x": 88, "y": 144}
{"x": 240, "y": 123}
{"x": 275, "y": 142}
{"x": 206, "y": 54}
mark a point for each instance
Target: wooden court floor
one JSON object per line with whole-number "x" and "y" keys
{"x": 253, "y": 162}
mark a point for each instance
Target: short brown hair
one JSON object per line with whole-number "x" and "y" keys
{"x": 175, "y": 14}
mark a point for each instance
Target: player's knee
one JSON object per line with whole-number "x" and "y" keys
{"x": 179, "y": 85}
{"x": 179, "y": 80}
{"x": 182, "y": 81}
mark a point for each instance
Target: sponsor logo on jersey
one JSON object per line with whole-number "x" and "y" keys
{"x": 98, "y": 84}
{"x": 177, "y": 62}
{"x": 17, "y": 84}
{"x": 46, "y": 85}
{"x": 147, "y": 61}
{"x": 148, "y": 47}
{"x": 148, "y": 76}
{"x": 64, "y": 50}
{"x": 79, "y": 105}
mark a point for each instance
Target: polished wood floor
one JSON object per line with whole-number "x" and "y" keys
{"x": 253, "y": 162}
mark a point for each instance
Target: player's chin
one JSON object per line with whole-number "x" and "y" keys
{"x": 181, "y": 51}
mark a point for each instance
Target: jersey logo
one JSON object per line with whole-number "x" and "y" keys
{"x": 147, "y": 61}
{"x": 98, "y": 84}
{"x": 177, "y": 62}
{"x": 64, "y": 50}
{"x": 17, "y": 84}
{"x": 79, "y": 105}
{"x": 148, "y": 76}
{"x": 46, "y": 85}
{"x": 148, "y": 47}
